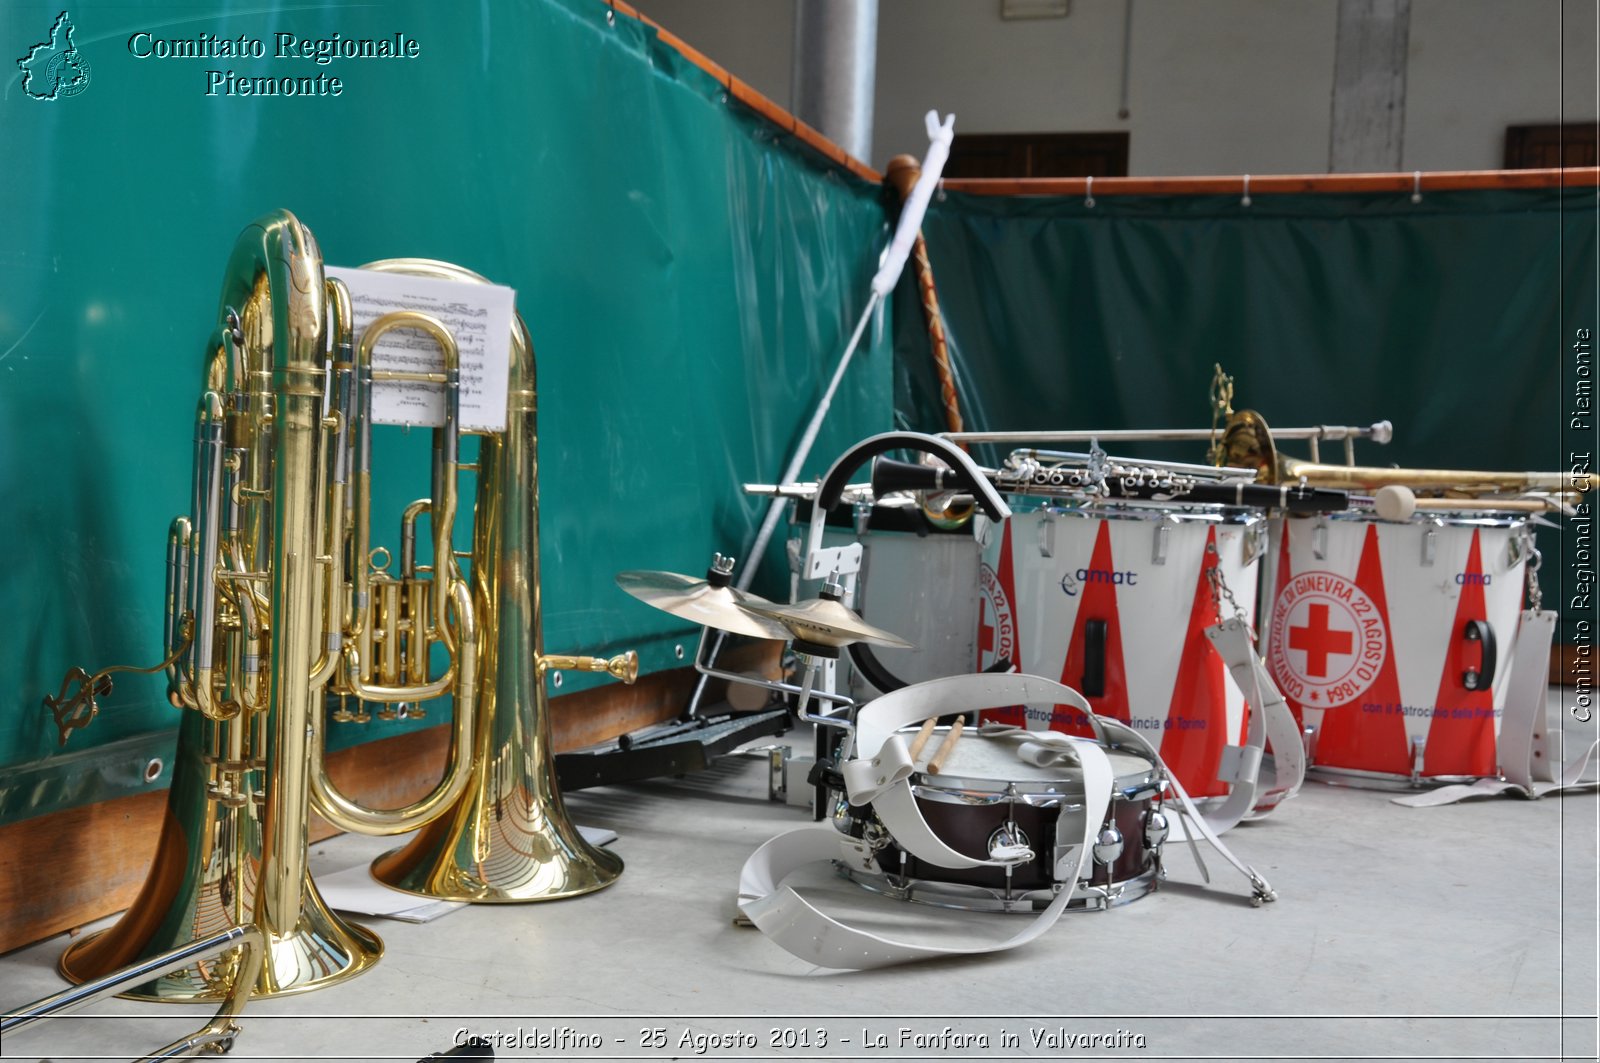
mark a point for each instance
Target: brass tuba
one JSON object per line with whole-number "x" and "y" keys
{"x": 277, "y": 607}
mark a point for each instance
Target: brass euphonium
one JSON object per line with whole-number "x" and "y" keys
{"x": 508, "y": 838}
{"x": 276, "y": 605}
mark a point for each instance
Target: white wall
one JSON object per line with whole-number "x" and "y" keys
{"x": 1477, "y": 66}
{"x": 1217, "y": 86}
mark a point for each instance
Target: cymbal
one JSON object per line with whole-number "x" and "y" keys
{"x": 698, "y": 600}
{"x": 827, "y": 622}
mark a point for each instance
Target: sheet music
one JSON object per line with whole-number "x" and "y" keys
{"x": 477, "y": 315}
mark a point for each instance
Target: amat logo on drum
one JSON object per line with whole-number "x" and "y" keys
{"x": 1329, "y": 640}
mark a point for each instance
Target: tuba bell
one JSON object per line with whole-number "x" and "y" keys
{"x": 279, "y": 614}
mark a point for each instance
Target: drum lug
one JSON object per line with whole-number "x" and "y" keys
{"x": 1047, "y": 534}
{"x": 1319, "y": 539}
{"x": 1255, "y": 541}
{"x": 1517, "y": 547}
{"x": 1158, "y": 550}
{"x": 1430, "y": 542}
{"x": 1417, "y": 744}
{"x": 1108, "y": 844}
{"x": 1156, "y": 829}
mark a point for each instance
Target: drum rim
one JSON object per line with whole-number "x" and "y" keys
{"x": 1426, "y": 518}
{"x": 937, "y": 894}
{"x": 1197, "y": 513}
{"x": 1029, "y": 788}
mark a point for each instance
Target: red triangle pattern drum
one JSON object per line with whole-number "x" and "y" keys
{"x": 1392, "y": 640}
{"x": 1114, "y": 602}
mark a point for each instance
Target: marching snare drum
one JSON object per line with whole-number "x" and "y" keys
{"x": 1392, "y": 640}
{"x": 985, "y": 796}
{"x": 1115, "y": 601}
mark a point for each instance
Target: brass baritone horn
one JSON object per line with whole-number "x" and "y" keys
{"x": 508, "y": 838}
{"x": 275, "y": 603}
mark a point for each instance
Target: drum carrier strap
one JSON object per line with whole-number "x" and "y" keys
{"x": 880, "y": 774}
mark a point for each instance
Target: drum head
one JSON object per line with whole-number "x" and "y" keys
{"x": 990, "y": 764}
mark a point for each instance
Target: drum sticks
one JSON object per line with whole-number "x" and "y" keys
{"x": 936, "y": 762}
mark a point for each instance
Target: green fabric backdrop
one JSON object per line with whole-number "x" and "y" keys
{"x": 1453, "y": 317}
{"x": 688, "y": 275}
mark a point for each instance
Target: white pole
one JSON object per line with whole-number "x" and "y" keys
{"x": 916, "y": 205}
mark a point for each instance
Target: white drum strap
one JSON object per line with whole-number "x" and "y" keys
{"x": 1271, "y": 724}
{"x": 805, "y": 931}
{"x": 1525, "y": 753}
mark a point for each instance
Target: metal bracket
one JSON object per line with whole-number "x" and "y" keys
{"x": 1158, "y": 549}
{"x": 1255, "y": 541}
{"x": 1430, "y": 542}
{"x": 834, "y": 560}
{"x": 1319, "y": 539}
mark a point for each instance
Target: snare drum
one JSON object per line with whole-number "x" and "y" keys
{"x": 987, "y": 796}
{"x": 1392, "y": 640}
{"x": 1115, "y": 601}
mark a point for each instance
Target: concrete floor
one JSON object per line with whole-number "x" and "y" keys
{"x": 1463, "y": 932}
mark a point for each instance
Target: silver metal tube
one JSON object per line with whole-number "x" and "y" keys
{"x": 1381, "y": 432}
{"x": 212, "y": 1038}
{"x": 835, "y": 69}
{"x": 209, "y": 501}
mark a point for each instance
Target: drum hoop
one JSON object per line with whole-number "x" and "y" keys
{"x": 981, "y": 790}
{"x": 1432, "y": 518}
{"x": 1201, "y": 514}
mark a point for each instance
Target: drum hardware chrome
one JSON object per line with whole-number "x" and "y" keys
{"x": 1430, "y": 541}
{"x": 1047, "y": 532}
{"x": 1310, "y": 734}
{"x": 1108, "y": 844}
{"x": 1524, "y": 545}
{"x": 1143, "y": 791}
{"x": 1319, "y": 539}
{"x": 1010, "y": 844}
{"x": 1480, "y": 632}
{"x": 1158, "y": 549}
{"x": 861, "y": 514}
{"x": 1156, "y": 829}
{"x": 777, "y": 774}
{"x": 1255, "y": 541}
{"x": 843, "y": 815}
{"x": 1416, "y": 759}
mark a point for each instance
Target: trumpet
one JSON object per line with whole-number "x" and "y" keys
{"x": 279, "y": 611}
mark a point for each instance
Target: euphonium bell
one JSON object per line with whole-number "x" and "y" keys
{"x": 277, "y": 606}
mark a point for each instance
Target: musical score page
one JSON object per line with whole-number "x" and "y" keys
{"x": 478, "y": 317}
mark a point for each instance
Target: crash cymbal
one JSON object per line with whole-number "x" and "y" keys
{"x": 703, "y": 601}
{"x": 826, "y": 622}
